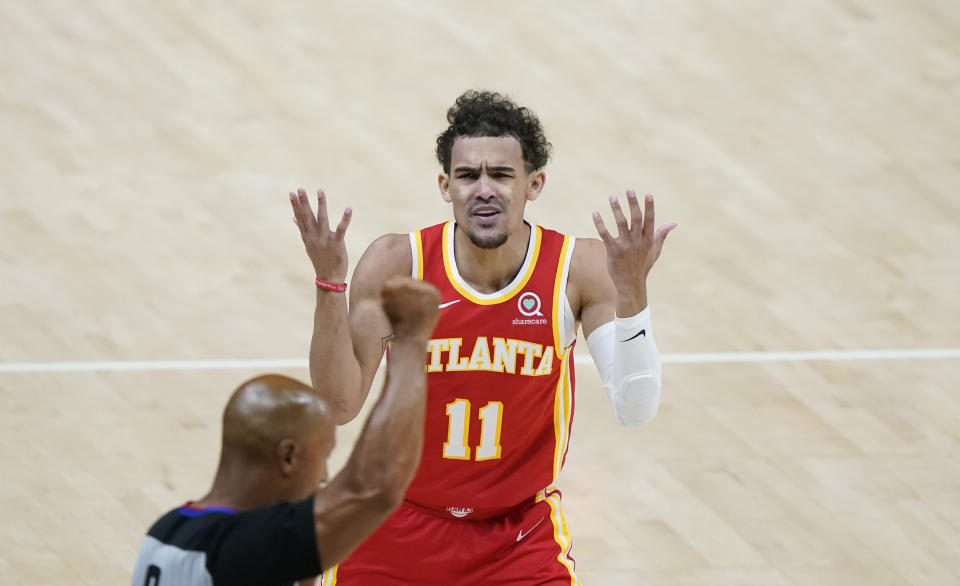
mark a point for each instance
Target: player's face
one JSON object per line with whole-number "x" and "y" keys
{"x": 489, "y": 187}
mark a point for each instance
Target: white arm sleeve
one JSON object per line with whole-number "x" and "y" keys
{"x": 629, "y": 365}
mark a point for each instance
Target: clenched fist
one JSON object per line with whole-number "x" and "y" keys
{"x": 411, "y": 307}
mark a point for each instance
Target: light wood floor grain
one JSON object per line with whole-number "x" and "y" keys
{"x": 809, "y": 152}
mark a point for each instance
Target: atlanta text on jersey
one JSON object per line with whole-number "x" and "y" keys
{"x": 450, "y": 354}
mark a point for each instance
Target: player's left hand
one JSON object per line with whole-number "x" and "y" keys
{"x": 636, "y": 247}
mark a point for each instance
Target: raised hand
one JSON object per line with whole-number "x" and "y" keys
{"x": 635, "y": 249}
{"x": 325, "y": 247}
{"x": 411, "y": 306}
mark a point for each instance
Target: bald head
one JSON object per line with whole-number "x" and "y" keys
{"x": 268, "y": 409}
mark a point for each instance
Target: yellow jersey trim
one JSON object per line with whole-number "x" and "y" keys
{"x": 561, "y": 534}
{"x": 526, "y": 270}
{"x": 416, "y": 247}
{"x": 329, "y": 578}
{"x": 562, "y": 407}
{"x": 557, "y": 299}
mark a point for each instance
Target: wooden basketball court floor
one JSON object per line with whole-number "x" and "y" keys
{"x": 808, "y": 151}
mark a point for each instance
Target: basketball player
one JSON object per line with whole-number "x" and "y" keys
{"x": 483, "y": 507}
{"x": 277, "y": 434}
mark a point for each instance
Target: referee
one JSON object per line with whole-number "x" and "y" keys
{"x": 266, "y": 521}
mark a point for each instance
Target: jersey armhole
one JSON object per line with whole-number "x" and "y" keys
{"x": 568, "y": 323}
{"x": 416, "y": 253}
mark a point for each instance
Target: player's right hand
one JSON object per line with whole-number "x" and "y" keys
{"x": 325, "y": 247}
{"x": 411, "y": 306}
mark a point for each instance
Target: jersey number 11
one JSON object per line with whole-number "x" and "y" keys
{"x": 458, "y": 432}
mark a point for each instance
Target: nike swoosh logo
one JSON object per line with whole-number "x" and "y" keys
{"x": 642, "y": 332}
{"x": 448, "y": 303}
{"x": 521, "y": 535}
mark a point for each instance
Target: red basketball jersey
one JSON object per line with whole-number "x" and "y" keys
{"x": 499, "y": 384}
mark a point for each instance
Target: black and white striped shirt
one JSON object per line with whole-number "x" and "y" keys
{"x": 274, "y": 545}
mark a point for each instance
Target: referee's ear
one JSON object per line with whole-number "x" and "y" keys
{"x": 287, "y": 454}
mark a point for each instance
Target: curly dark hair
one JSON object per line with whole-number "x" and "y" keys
{"x": 485, "y": 113}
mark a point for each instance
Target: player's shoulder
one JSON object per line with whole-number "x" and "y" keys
{"x": 587, "y": 253}
{"x": 388, "y": 255}
{"x": 392, "y": 254}
{"x": 388, "y": 249}
{"x": 588, "y": 265}
{"x": 389, "y": 245}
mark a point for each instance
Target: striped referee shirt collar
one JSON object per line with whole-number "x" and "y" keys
{"x": 189, "y": 510}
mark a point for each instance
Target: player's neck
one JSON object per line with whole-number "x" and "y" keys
{"x": 491, "y": 269}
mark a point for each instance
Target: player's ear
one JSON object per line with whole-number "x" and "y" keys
{"x": 287, "y": 454}
{"x": 535, "y": 182}
{"x": 443, "y": 182}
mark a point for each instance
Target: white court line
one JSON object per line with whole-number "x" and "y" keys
{"x": 812, "y": 356}
{"x": 285, "y": 363}
{"x": 144, "y": 365}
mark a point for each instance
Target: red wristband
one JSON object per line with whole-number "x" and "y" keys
{"x": 335, "y": 287}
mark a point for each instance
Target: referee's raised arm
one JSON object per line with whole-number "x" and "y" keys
{"x": 386, "y": 455}
{"x": 264, "y": 521}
